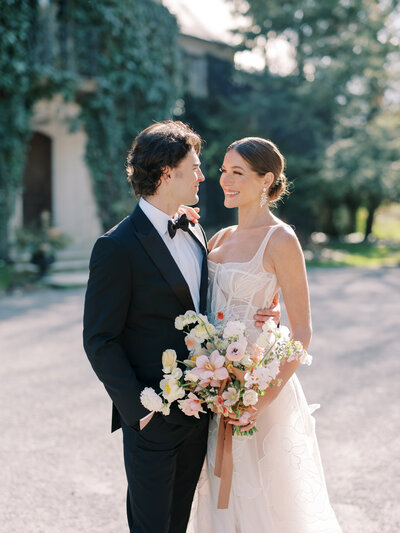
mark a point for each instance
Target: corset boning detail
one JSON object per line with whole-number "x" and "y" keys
{"x": 238, "y": 291}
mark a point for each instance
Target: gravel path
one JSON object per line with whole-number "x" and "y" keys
{"x": 62, "y": 471}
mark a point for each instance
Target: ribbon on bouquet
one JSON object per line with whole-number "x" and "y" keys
{"x": 224, "y": 457}
{"x": 224, "y": 462}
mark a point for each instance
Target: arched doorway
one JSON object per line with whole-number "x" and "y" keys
{"x": 37, "y": 179}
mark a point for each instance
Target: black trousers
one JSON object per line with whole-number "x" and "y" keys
{"x": 163, "y": 464}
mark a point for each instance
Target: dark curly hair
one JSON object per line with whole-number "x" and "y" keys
{"x": 160, "y": 145}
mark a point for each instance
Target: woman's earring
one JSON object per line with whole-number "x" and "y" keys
{"x": 264, "y": 197}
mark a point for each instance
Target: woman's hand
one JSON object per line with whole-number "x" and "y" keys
{"x": 273, "y": 311}
{"x": 191, "y": 212}
{"x": 249, "y": 416}
{"x": 247, "y": 420}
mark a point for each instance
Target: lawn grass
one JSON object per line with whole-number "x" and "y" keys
{"x": 383, "y": 252}
{"x": 363, "y": 255}
{"x": 387, "y": 223}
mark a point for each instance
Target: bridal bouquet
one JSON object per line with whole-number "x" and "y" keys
{"x": 223, "y": 371}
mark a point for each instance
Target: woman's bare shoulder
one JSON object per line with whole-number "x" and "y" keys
{"x": 284, "y": 240}
{"x": 220, "y": 236}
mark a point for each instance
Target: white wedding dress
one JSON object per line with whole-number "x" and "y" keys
{"x": 278, "y": 483}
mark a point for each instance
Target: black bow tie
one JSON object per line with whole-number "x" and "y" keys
{"x": 181, "y": 223}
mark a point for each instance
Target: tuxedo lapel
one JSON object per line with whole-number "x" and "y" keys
{"x": 204, "y": 285}
{"x": 161, "y": 257}
{"x": 198, "y": 235}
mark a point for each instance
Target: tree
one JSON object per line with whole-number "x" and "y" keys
{"x": 365, "y": 167}
{"x": 341, "y": 77}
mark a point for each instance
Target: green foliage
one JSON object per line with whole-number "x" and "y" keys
{"x": 387, "y": 223}
{"x": 266, "y": 106}
{"x": 128, "y": 49}
{"x": 45, "y": 238}
{"x": 345, "y": 67}
{"x": 138, "y": 81}
{"x": 15, "y": 106}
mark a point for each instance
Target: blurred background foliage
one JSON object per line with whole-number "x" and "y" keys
{"x": 127, "y": 52}
{"x": 335, "y": 115}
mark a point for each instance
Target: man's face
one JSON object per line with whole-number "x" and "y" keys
{"x": 185, "y": 179}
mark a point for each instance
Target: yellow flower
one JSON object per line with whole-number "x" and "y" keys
{"x": 169, "y": 361}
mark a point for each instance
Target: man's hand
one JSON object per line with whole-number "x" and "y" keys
{"x": 274, "y": 311}
{"x": 191, "y": 212}
{"x": 144, "y": 421}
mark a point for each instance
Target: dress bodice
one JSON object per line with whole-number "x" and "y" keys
{"x": 239, "y": 289}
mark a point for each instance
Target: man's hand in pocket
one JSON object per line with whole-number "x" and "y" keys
{"x": 144, "y": 421}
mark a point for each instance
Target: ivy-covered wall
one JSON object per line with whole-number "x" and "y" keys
{"x": 129, "y": 51}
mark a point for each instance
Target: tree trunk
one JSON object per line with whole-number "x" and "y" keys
{"x": 5, "y": 215}
{"x": 372, "y": 207}
{"x": 329, "y": 226}
{"x": 352, "y": 209}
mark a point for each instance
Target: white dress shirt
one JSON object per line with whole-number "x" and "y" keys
{"x": 184, "y": 250}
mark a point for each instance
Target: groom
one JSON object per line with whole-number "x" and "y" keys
{"x": 143, "y": 273}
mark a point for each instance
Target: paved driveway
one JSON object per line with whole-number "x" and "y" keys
{"x": 62, "y": 471}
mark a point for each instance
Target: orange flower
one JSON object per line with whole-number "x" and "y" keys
{"x": 220, "y": 315}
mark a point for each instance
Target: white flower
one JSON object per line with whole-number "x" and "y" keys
{"x": 203, "y": 320}
{"x": 175, "y": 374}
{"x": 261, "y": 377}
{"x": 200, "y": 332}
{"x": 169, "y": 361}
{"x": 250, "y": 397}
{"x": 166, "y": 409}
{"x": 189, "y": 376}
{"x": 250, "y": 379}
{"x": 283, "y": 333}
{"x": 193, "y": 343}
{"x": 234, "y": 328}
{"x": 269, "y": 326}
{"x": 189, "y": 317}
{"x": 246, "y": 360}
{"x": 265, "y": 339}
{"x": 230, "y": 395}
{"x": 306, "y": 358}
{"x": 273, "y": 368}
{"x": 171, "y": 389}
{"x": 150, "y": 399}
{"x": 179, "y": 322}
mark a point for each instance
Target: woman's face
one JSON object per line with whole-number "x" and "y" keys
{"x": 242, "y": 185}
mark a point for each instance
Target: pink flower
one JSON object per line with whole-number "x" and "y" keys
{"x": 235, "y": 351}
{"x": 244, "y": 418}
{"x": 257, "y": 354}
{"x": 230, "y": 395}
{"x": 210, "y": 370}
{"x": 191, "y": 406}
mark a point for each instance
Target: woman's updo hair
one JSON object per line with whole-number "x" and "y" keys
{"x": 264, "y": 156}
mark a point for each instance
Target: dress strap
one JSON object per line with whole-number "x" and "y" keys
{"x": 264, "y": 242}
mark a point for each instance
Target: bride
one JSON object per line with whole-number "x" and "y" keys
{"x": 278, "y": 482}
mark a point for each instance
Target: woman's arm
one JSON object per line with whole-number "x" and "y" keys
{"x": 289, "y": 264}
{"x": 290, "y": 270}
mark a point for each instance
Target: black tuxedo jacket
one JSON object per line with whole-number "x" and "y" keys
{"x": 135, "y": 291}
